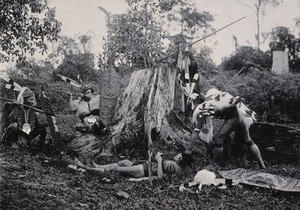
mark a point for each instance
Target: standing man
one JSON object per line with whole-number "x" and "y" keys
{"x": 87, "y": 110}
{"x": 22, "y": 123}
{"x": 237, "y": 118}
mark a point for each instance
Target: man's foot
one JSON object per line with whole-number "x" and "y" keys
{"x": 96, "y": 165}
{"x": 78, "y": 163}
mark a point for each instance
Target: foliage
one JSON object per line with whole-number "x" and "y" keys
{"x": 246, "y": 55}
{"x": 283, "y": 40}
{"x": 273, "y": 97}
{"x": 258, "y": 7}
{"x": 26, "y": 26}
{"x": 203, "y": 59}
{"x": 74, "y": 58}
{"x": 135, "y": 39}
{"x": 192, "y": 24}
{"x": 78, "y": 64}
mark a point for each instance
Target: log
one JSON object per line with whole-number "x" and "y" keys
{"x": 277, "y": 140}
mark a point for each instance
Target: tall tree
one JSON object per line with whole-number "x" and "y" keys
{"x": 137, "y": 37}
{"x": 78, "y": 64}
{"x": 258, "y": 7}
{"x": 25, "y": 27}
{"x": 134, "y": 38}
{"x": 75, "y": 57}
{"x": 185, "y": 24}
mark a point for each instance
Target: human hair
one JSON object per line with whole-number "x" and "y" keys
{"x": 84, "y": 88}
{"x": 170, "y": 167}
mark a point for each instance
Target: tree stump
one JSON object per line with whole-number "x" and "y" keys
{"x": 145, "y": 108}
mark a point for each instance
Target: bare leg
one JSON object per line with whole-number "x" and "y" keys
{"x": 124, "y": 167}
{"x": 252, "y": 146}
{"x": 255, "y": 151}
{"x": 113, "y": 166}
{"x": 80, "y": 164}
{"x": 136, "y": 171}
{"x": 225, "y": 130}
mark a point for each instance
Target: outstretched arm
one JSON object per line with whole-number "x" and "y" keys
{"x": 159, "y": 165}
{"x": 195, "y": 135}
{"x": 72, "y": 103}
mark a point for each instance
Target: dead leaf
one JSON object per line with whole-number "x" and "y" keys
{"x": 123, "y": 194}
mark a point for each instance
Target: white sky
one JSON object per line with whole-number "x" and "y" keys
{"x": 79, "y": 17}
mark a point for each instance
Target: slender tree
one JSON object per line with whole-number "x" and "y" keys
{"x": 258, "y": 7}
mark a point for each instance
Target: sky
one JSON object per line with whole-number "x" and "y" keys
{"x": 79, "y": 17}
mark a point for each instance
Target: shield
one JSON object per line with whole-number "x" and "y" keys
{"x": 110, "y": 91}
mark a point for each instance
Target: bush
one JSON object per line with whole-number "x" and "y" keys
{"x": 247, "y": 56}
{"x": 275, "y": 96}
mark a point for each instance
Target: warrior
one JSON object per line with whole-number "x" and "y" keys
{"x": 237, "y": 117}
{"x": 21, "y": 121}
{"x": 87, "y": 110}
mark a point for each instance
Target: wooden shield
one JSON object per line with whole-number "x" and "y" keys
{"x": 110, "y": 90}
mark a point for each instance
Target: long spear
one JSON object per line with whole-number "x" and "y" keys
{"x": 188, "y": 45}
{"x": 233, "y": 78}
{"x": 32, "y": 107}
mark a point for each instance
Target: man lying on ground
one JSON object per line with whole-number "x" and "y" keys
{"x": 140, "y": 169}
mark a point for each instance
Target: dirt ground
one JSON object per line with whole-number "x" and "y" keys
{"x": 37, "y": 181}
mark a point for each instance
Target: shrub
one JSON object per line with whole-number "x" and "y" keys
{"x": 247, "y": 55}
{"x": 275, "y": 96}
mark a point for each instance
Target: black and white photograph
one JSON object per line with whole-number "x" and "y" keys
{"x": 149, "y": 104}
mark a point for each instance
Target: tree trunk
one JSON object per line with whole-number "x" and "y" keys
{"x": 145, "y": 109}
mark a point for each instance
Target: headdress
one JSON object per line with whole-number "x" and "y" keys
{"x": 24, "y": 93}
{"x": 85, "y": 88}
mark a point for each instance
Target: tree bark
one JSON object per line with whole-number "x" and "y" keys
{"x": 146, "y": 107}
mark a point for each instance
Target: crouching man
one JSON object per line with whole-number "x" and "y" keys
{"x": 87, "y": 110}
{"x": 237, "y": 118}
{"x": 23, "y": 123}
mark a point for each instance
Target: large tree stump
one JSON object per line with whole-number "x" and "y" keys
{"x": 145, "y": 107}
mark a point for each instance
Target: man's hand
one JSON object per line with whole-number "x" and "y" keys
{"x": 158, "y": 156}
{"x": 235, "y": 100}
{"x": 159, "y": 165}
{"x": 90, "y": 121}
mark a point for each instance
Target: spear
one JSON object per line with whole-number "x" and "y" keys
{"x": 233, "y": 78}
{"x": 180, "y": 49}
{"x": 32, "y": 107}
{"x": 61, "y": 91}
{"x": 150, "y": 152}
